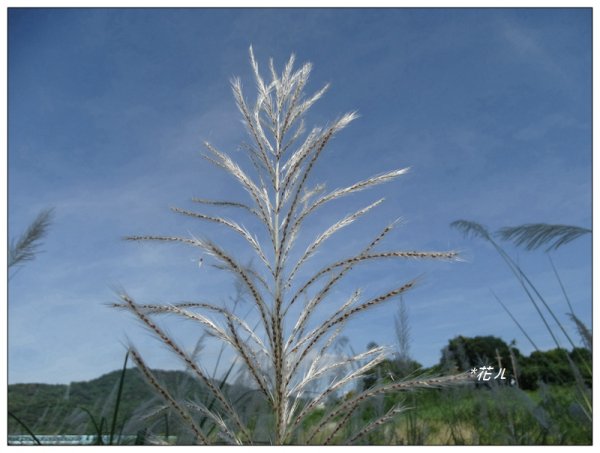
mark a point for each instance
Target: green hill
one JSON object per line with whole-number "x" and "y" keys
{"x": 61, "y": 409}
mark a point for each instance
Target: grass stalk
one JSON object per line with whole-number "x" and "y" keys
{"x": 25, "y": 427}
{"x": 113, "y": 426}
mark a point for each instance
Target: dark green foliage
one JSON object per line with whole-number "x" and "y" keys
{"x": 582, "y": 358}
{"x": 552, "y": 367}
{"x": 549, "y": 366}
{"x": 42, "y": 407}
{"x": 390, "y": 370}
{"x": 464, "y": 353}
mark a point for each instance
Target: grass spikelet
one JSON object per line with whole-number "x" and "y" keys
{"x": 27, "y": 246}
{"x": 164, "y": 394}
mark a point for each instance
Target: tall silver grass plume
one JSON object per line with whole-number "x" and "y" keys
{"x": 584, "y": 332}
{"x": 534, "y": 235}
{"x": 27, "y": 245}
{"x": 291, "y": 362}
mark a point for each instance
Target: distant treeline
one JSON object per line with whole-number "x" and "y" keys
{"x": 466, "y": 353}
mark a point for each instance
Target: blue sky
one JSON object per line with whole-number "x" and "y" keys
{"x": 108, "y": 110}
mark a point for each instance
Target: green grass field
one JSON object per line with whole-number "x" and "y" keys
{"x": 499, "y": 415}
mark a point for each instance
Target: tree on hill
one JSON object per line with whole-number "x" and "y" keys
{"x": 464, "y": 353}
{"x": 390, "y": 370}
{"x": 550, "y": 367}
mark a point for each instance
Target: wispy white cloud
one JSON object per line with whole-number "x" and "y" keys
{"x": 529, "y": 47}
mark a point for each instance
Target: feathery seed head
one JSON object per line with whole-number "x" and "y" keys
{"x": 283, "y": 354}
